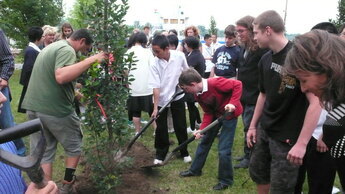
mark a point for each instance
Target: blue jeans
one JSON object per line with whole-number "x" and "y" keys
{"x": 7, "y": 121}
{"x": 226, "y": 139}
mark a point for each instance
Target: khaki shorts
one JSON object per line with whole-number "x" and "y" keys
{"x": 65, "y": 130}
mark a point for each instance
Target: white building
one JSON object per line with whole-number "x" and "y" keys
{"x": 175, "y": 18}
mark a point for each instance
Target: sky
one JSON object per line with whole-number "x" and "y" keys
{"x": 301, "y": 15}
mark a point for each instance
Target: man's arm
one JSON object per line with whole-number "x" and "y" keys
{"x": 6, "y": 61}
{"x": 69, "y": 73}
{"x": 156, "y": 93}
{"x": 212, "y": 72}
{"x": 311, "y": 118}
{"x": 251, "y": 134}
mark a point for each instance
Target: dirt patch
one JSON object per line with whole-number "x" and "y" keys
{"x": 134, "y": 180}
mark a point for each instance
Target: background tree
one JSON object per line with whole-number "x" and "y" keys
{"x": 106, "y": 93}
{"x": 136, "y": 24}
{"x": 149, "y": 25}
{"x": 78, "y": 17}
{"x": 17, "y": 16}
{"x": 202, "y": 30}
{"x": 340, "y": 20}
{"x": 213, "y": 26}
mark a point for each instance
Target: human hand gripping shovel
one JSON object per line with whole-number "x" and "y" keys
{"x": 120, "y": 154}
{"x": 31, "y": 164}
{"x": 203, "y": 131}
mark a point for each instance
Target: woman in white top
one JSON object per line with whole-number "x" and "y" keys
{"x": 140, "y": 98}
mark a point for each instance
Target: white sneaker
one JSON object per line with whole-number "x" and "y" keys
{"x": 197, "y": 125}
{"x": 171, "y": 130}
{"x": 335, "y": 190}
{"x": 136, "y": 133}
{"x": 189, "y": 130}
{"x": 187, "y": 159}
{"x": 156, "y": 161}
{"x": 143, "y": 122}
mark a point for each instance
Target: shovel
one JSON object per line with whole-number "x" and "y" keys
{"x": 30, "y": 164}
{"x": 172, "y": 153}
{"x": 120, "y": 154}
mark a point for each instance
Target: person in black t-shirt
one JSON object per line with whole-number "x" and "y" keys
{"x": 317, "y": 59}
{"x": 281, "y": 138}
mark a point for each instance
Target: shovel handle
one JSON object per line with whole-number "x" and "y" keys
{"x": 36, "y": 175}
{"x": 20, "y": 130}
{"x": 171, "y": 99}
{"x": 151, "y": 121}
{"x": 210, "y": 126}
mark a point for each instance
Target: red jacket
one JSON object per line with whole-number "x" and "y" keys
{"x": 220, "y": 92}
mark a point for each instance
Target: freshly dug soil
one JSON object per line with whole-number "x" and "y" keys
{"x": 134, "y": 180}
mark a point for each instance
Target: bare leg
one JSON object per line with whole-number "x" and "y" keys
{"x": 263, "y": 189}
{"x": 137, "y": 125}
{"x": 72, "y": 162}
{"x": 48, "y": 170}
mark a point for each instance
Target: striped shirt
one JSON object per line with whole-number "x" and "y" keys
{"x": 6, "y": 58}
{"x": 11, "y": 180}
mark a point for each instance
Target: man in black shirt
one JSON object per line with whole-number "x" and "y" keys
{"x": 283, "y": 133}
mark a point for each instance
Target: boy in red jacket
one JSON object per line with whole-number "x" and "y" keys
{"x": 215, "y": 96}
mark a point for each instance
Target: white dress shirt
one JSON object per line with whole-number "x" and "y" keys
{"x": 165, "y": 74}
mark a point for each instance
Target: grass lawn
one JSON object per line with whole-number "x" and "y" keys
{"x": 167, "y": 178}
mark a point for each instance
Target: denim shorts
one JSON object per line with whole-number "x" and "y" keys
{"x": 65, "y": 130}
{"x": 268, "y": 164}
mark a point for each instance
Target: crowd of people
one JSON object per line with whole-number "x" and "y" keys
{"x": 289, "y": 94}
{"x": 282, "y": 122}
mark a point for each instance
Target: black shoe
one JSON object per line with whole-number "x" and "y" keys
{"x": 188, "y": 173}
{"x": 243, "y": 164}
{"x": 239, "y": 158}
{"x": 220, "y": 186}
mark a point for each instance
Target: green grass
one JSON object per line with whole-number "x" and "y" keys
{"x": 167, "y": 178}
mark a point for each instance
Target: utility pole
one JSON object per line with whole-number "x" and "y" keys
{"x": 286, "y": 6}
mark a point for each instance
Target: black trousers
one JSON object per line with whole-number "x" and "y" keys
{"x": 320, "y": 168}
{"x": 178, "y": 112}
{"x": 194, "y": 114}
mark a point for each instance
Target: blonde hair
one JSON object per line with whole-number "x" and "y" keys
{"x": 47, "y": 29}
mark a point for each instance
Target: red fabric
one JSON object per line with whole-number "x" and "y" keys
{"x": 221, "y": 91}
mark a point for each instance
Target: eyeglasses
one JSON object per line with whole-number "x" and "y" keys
{"x": 240, "y": 31}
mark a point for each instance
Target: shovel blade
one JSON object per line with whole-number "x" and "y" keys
{"x": 152, "y": 166}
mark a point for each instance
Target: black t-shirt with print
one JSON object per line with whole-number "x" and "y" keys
{"x": 285, "y": 105}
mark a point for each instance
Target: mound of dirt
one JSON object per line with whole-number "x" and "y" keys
{"x": 133, "y": 180}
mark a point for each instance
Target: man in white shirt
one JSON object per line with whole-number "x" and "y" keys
{"x": 165, "y": 72}
{"x": 215, "y": 44}
{"x": 207, "y": 52}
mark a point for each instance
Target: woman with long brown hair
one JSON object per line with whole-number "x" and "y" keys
{"x": 317, "y": 59}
